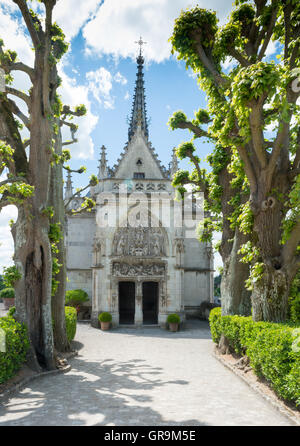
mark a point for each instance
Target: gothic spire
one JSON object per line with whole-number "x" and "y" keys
{"x": 69, "y": 187}
{"x": 174, "y": 163}
{"x": 139, "y": 113}
{"x": 103, "y": 169}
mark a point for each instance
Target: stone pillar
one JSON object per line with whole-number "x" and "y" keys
{"x": 115, "y": 302}
{"x": 138, "y": 316}
{"x": 95, "y": 297}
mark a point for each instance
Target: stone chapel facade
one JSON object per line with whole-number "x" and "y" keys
{"x": 142, "y": 271}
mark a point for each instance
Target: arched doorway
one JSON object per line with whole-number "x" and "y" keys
{"x": 150, "y": 303}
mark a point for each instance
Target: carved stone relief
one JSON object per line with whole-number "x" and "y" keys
{"x": 121, "y": 269}
{"x": 148, "y": 242}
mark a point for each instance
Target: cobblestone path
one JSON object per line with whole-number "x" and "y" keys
{"x": 141, "y": 377}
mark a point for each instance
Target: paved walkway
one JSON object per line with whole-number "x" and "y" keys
{"x": 141, "y": 377}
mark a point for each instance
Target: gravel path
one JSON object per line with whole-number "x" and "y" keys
{"x": 141, "y": 377}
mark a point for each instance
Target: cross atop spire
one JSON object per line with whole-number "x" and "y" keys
{"x": 139, "y": 113}
{"x": 140, "y": 43}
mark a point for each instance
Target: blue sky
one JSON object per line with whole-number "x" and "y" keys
{"x": 100, "y": 70}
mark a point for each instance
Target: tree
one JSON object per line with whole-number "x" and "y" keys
{"x": 27, "y": 186}
{"x": 254, "y": 94}
{"x": 221, "y": 192}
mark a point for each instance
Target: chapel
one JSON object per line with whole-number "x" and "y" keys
{"x": 134, "y": 254}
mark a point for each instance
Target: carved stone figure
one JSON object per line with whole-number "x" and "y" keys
{"x": 141, "y": 241}
{"x": 127, "y": 270}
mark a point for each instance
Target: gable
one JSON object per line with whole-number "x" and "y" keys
{"x": 138, "y": 158}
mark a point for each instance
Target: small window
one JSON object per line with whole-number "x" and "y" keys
{"x": 139, "y": 162}
{"x": 139, "y": 175}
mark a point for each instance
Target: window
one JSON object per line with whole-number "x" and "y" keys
{"x": 139, "y": 175}
{"x": 139, "y": 162}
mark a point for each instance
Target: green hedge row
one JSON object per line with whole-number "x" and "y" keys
{"x": 71, "y": 321}
{"x": 273, "y": 349}
{"x": 17, "y": 345}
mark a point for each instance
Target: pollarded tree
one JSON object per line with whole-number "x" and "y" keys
{"x": 221, "y": 192}
{"x": 31, "y": 166}
{"x": 255, "y": 94}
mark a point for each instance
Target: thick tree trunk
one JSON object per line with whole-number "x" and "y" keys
{"x": 270, "y": 296}
{"x": 235, "y": 298}
{"x": 33, "y": 305}
{"x": 58, "y": 299}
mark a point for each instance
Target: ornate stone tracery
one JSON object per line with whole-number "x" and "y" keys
{"x": 122, "y": 269}
{"x": 146, "y": 242}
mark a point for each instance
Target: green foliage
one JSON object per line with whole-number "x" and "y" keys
{"x": 71, "y": 322}
{"x": 59, "y": 46}
{"x": 294, "y": 300}
{"x": 76, "y": 297}
{"x": 55, "y": 235}
{"x": 11, "y": 275}
{"x": 17, "y": 345}
{"x": 177, "y": 118}
{"x": 269, "y": 346}
{"x": 11, "y": 311}
{"x": 185, "y": 149}
{"x": 7, "y": 293}
{"x": 105, "y": 317}
{"x": 2, "y": 284}
{"x": 173, "y": 319}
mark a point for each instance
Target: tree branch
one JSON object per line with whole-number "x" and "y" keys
{"x": 195, "y": 129}
{"x": 19, "y": 94}
{"x": 75, "y": 195}
{"x": 13, "y": 180}
{"x": 269, "y": 32}
{"x": 29, "y": 22}
{"x": 15, "y": 110}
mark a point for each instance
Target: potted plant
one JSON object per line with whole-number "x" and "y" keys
{"x": 8, "y": 296}
{"x": 105, "y": 320}
{"x": 173, "y": 320}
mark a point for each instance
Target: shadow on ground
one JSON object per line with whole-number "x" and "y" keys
{"x": 108, "y": 392}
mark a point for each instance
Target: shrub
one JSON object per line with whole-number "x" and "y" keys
{"x": 71, "y": 321}
{"x": 17, "y": 345}
{"x": 105, "y": 317}
{"x": 269, "y": 346}
{"x": 173, "y": 319}
{"x": 11, "y": 311}
{"x": 295, "y": 309}
{"x": 7, "y": 293}
{"x": 76, "y": 297}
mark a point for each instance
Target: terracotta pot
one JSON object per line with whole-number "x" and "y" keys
{"x": 173, "y": 326}
{"x": 105, "y": 325}
{"x": 8, "y": 302}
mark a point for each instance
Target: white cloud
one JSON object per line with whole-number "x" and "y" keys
{"x": 118, "y": 25}
{"x": 120, "y": 78}
{"x": 73, "y": 94}
{"x": 100, "y": 85}
{"x": 127, "y": 96}
{"x": 71, "y": 17}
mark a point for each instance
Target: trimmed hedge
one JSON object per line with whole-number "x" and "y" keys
{"x": 71, "y": 321}
{"x": 76, "y": 297}
{"x": 271, "y": 347}
{"x": 17, "y": 345}
{"x": 7, "y": 293}
{"x": 105, "y": 317}
{"x": 173, "y": 319}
